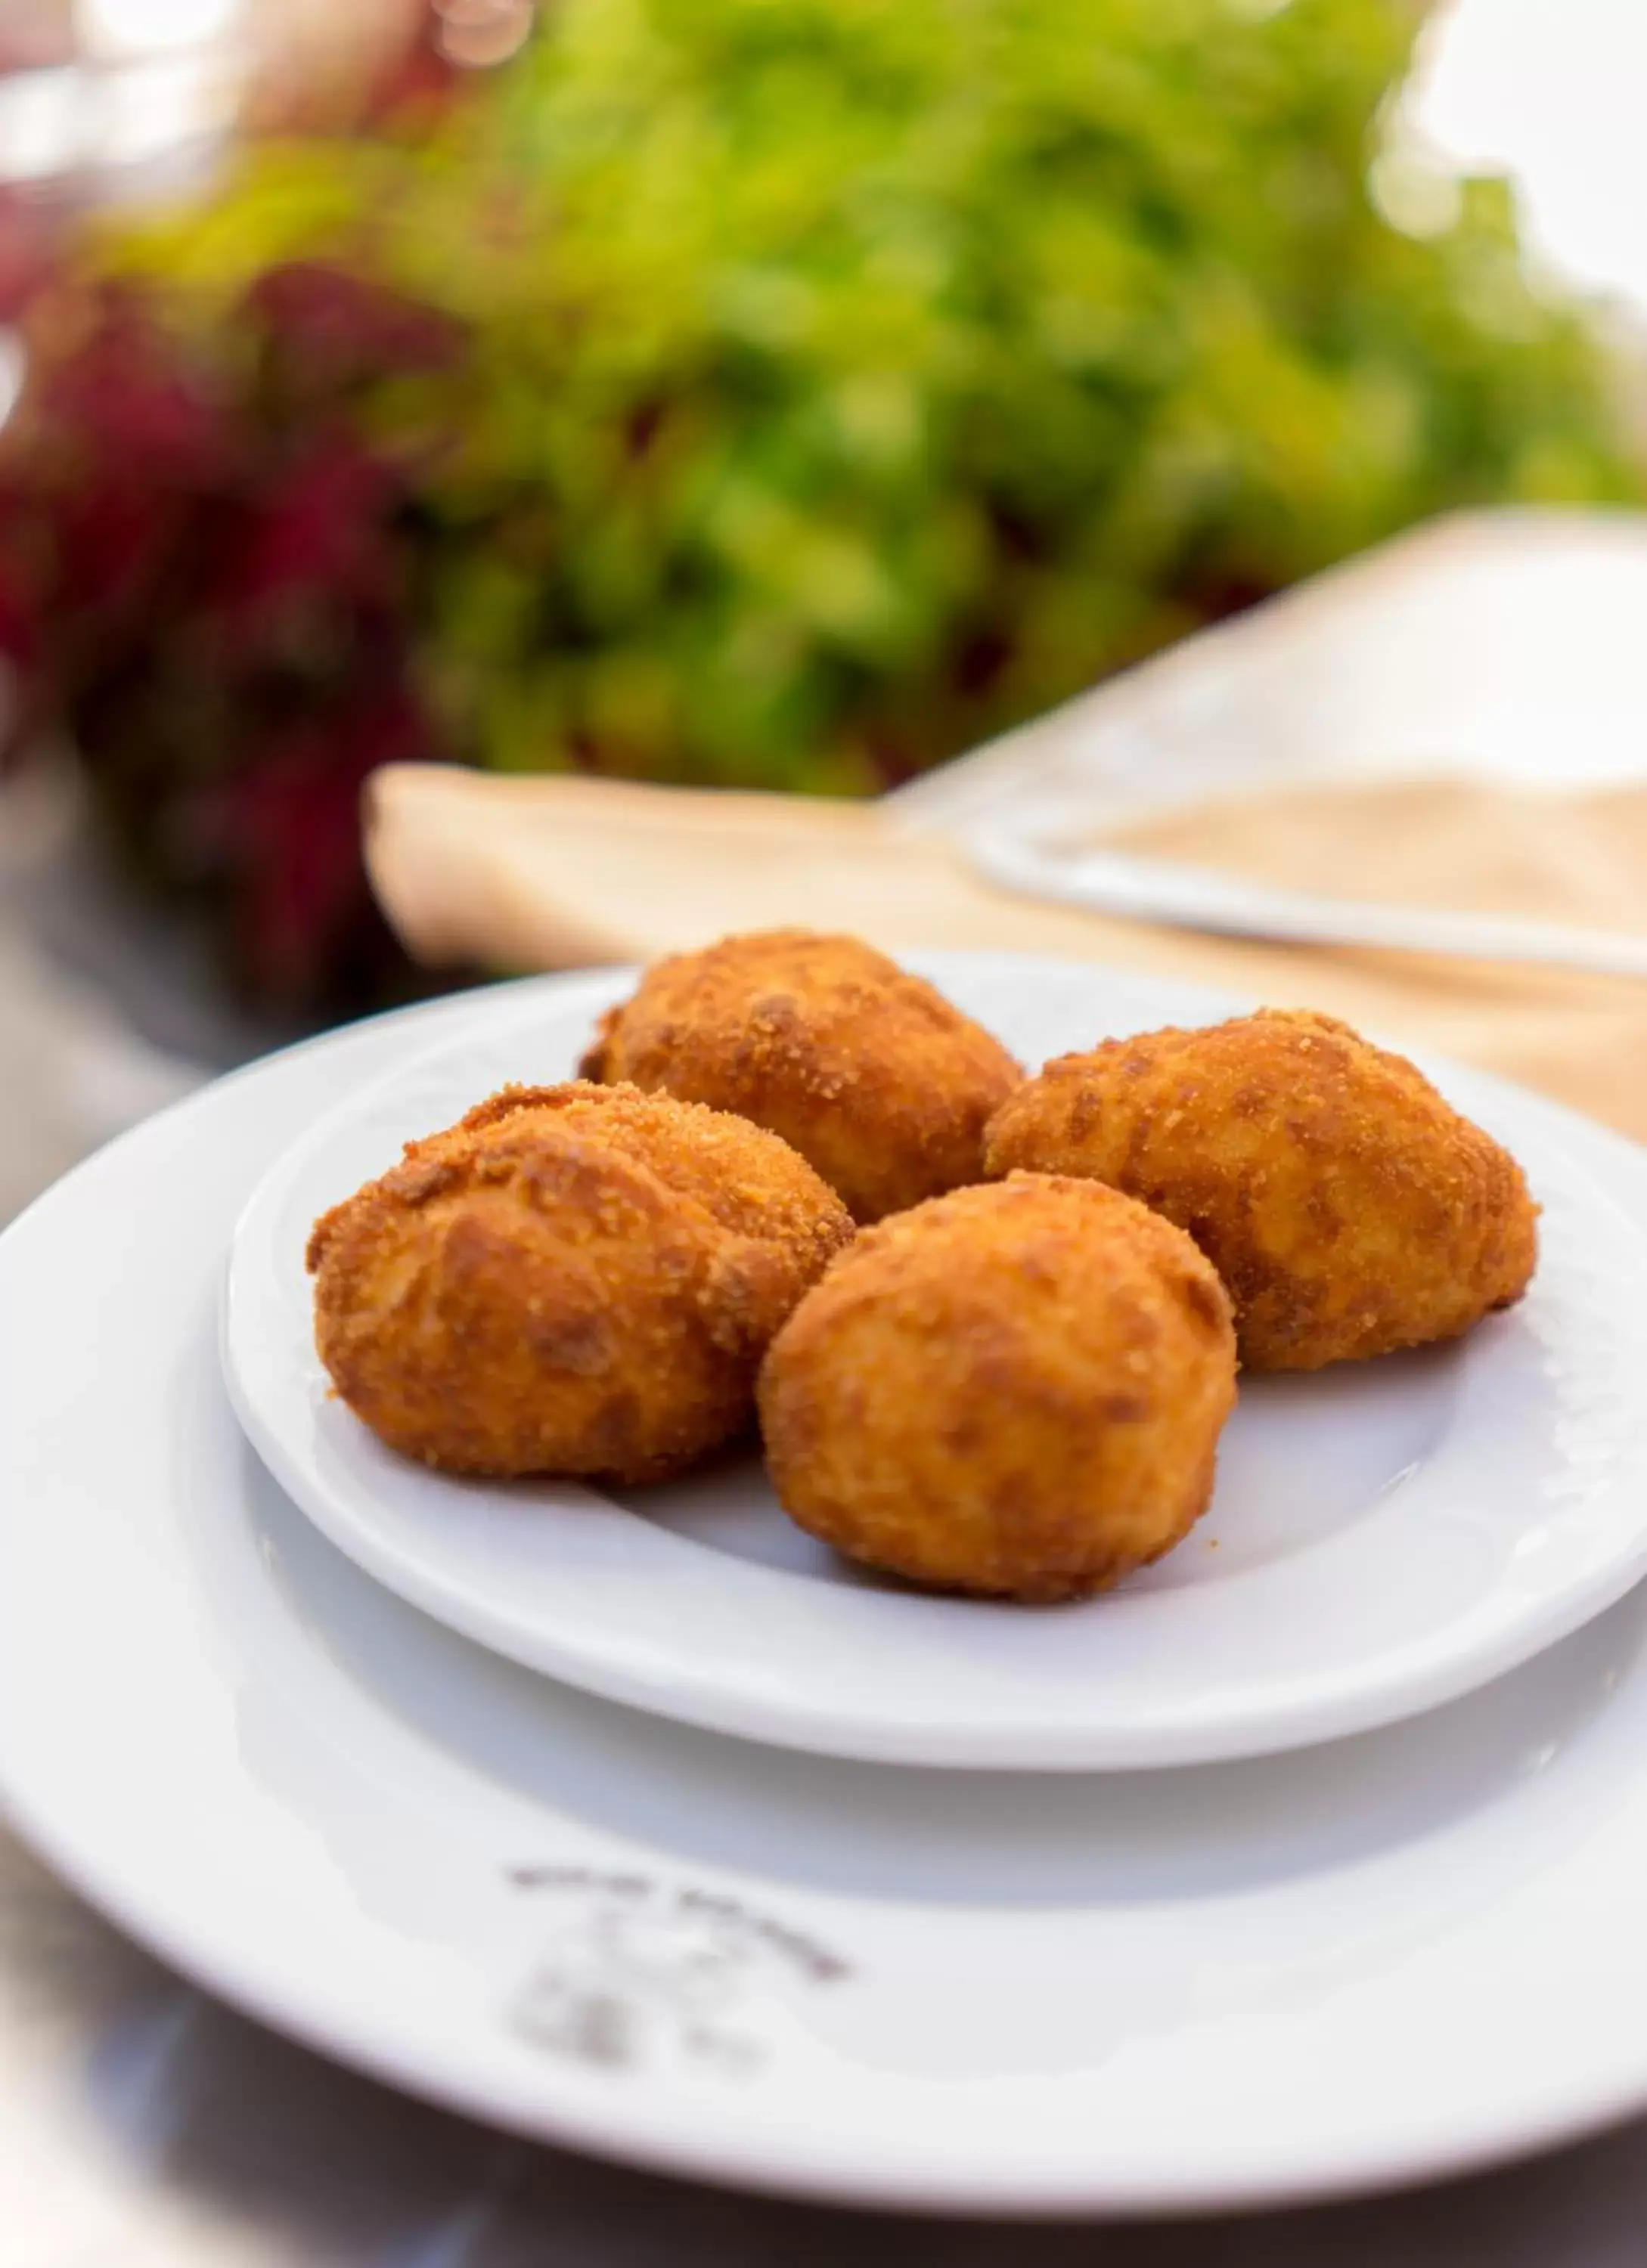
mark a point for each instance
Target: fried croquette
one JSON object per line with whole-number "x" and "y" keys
{"x": 870, "y": 1073}
{"x": 1348, "y": 1209}
{"x": 573, "y": 1279}
{"x": 1015, "y": 1390}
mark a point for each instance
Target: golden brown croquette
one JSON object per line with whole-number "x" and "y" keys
{"x": 1015, "y": 1389}
{"x": 869, "y": 1073}
{"x": 1348, "y": 1209}
{"x": 573, "y": 1279}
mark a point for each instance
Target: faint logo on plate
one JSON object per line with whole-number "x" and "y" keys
{"x": 638, "y": 1972}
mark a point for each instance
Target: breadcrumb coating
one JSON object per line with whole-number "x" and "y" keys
{"x": 575, "y": 1279}
{"x": 1015, "y": 1390}
{"x": 1347, "y": 1207}
{"x": 869, "y": 1073}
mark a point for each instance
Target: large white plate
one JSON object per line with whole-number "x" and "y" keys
{"x": 1369, "y": 1961}
{"x": 1385, "y": 1535}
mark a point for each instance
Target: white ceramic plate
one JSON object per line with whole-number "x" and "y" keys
{"x": 1384, "y": 1537}
{"x": 1368, "y": 1962}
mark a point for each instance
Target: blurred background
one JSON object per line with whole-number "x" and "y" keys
{"x": 776, "y": 393}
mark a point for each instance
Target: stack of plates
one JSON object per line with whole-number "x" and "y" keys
{"x": 1311, "y": 1860}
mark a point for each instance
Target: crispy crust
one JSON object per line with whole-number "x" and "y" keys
{"x": 1015, "y": 1390}
{"x": 869, "y": 1073}
{"x": 1349, "y": 1209}
{"x": 574, "y": 1279}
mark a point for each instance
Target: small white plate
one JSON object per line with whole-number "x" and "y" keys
{"x": 1385, "y": 1537}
